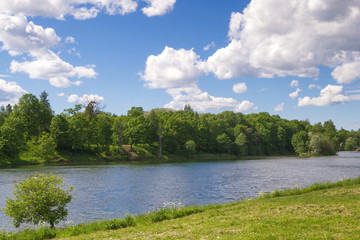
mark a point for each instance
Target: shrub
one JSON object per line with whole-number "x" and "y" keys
{"x": 39, "y": 199}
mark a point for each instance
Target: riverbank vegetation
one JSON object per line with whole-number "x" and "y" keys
{"x": 30, "y": 133}
{"x": 320, "y": 211}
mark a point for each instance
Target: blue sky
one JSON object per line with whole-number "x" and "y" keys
{"x": 299, "y": 59}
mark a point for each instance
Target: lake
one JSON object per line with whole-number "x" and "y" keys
{"x": 113, "y": 190}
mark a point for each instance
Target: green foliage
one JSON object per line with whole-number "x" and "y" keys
{"x": 300, "y": 142}
{"x": 224, "y": 143}
{"x": 40, "y": 198}
{"x": 12, "y": 132}
{"x": 321, "y": 145}
{"x": 350, "y": 144}
{"x": 190, "y": 147}
{"x": 47, "y": 147}
{"x": 59, "y": 130}
{"x": 102, "y": 134}
{"x": 241, "y": 142}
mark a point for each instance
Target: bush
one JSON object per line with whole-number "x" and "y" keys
{"x": 190, "y": 147}
{"x": 39, "y": 199}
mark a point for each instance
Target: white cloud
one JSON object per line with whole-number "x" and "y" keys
{"x": 178, "y": 72}
{"x": 22, "y": 37}
{"x": 48, "y": 66}
{"x": 240, "y": 88}
{"x": 79, "y": 9}
{"x": 280, "y": 38}
{"x": 172, "y": 69}
{"x": 4, "y": 76}
{"x": 210, "y": 45}
{"x": 347, "y": 72}
{"x": 295, "y": 94}
{"x": 158, "y": 7}
{"x": 203, "y": 101}
{"x": 235, "y": 25}
{"x": 279, "y": 108}
{"x": 312, "y": 86}
{"x": 294, "y": 83}
{"x": 61, "y": 94}
{"x": 69, "y": 39}
{"x": 73, "y": 98}
{"x": 10, "y": 92}
{"x": 330, "y": 95}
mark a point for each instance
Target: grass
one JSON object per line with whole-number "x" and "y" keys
{"x": 320, "y": 211}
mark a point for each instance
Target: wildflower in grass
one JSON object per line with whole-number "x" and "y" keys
{"x": 261, "y": 194}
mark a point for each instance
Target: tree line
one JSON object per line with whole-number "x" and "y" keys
{"x": 32, "y": 127}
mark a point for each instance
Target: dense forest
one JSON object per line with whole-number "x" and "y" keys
{"x": 32, "y": 129}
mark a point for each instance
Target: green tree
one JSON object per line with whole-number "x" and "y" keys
{"x": 78, "y": 126}
{"x": 224, "y": 143}
{"x": 59, "y": 130}
{"x": 47, "y": 147}
{"x": 40, "y": 198}
{"x": 350, "y": 144}
{"x": 190, "y": 147}
{"x": 28, "y": 110}
{"x": 300, "y": 142}
{"x": 137, "y": 127}
{"x": 46, "y": 114}
{"x": 241, "y": 142}
{"x": 12, "y": 132}
{"x": 118, "y": 132}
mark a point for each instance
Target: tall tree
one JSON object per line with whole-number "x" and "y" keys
{"x": 118, "y": 132}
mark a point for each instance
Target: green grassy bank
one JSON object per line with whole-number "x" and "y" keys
{"x": 140, "y": 153}
{"x": 320, "y": 211}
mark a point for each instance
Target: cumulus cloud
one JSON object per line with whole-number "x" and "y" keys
{"x": 158, "y": 7}
{"x": 312, "y": 86}
{"x": 294, "y": 83}
{"x": 79, "y": 9}
{"x": 330, "y": 95}
{"x": 172, "y": 69}
{"x": 10, "y": 92}
{"x": 239, "y": 88}
{"x": 20, "y": 37}
{"x": 203, "y": 101}
{"x": 178, "y": 72}
{"x": 347, "y": 72}
{"x": 295, "y": 94}
{"x": 291, "y": 38}
{"x": 60, "y": 94}
{"x": 48, "y": 66}
{"x": 279, "y": 108}
{"x": 85, "y": 99}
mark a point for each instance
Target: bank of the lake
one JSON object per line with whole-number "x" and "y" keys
{"x": 138, "y": 154}
{"x": 319, "y": 211}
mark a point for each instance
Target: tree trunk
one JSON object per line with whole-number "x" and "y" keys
{"x": 121, "y": 140}
{"x": 160, "y": 141}
{"x": 132, "y": 142}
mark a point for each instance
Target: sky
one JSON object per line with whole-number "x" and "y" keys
{"x": 299, "y": 59}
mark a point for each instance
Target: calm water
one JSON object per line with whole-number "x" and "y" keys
{"x": 109, "y": 191}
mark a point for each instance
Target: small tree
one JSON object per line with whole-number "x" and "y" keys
{"x": 190, "y": 147}
{"x": 40, "y": 198}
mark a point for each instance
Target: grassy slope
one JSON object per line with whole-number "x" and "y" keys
{"x": 322, "y": 214}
